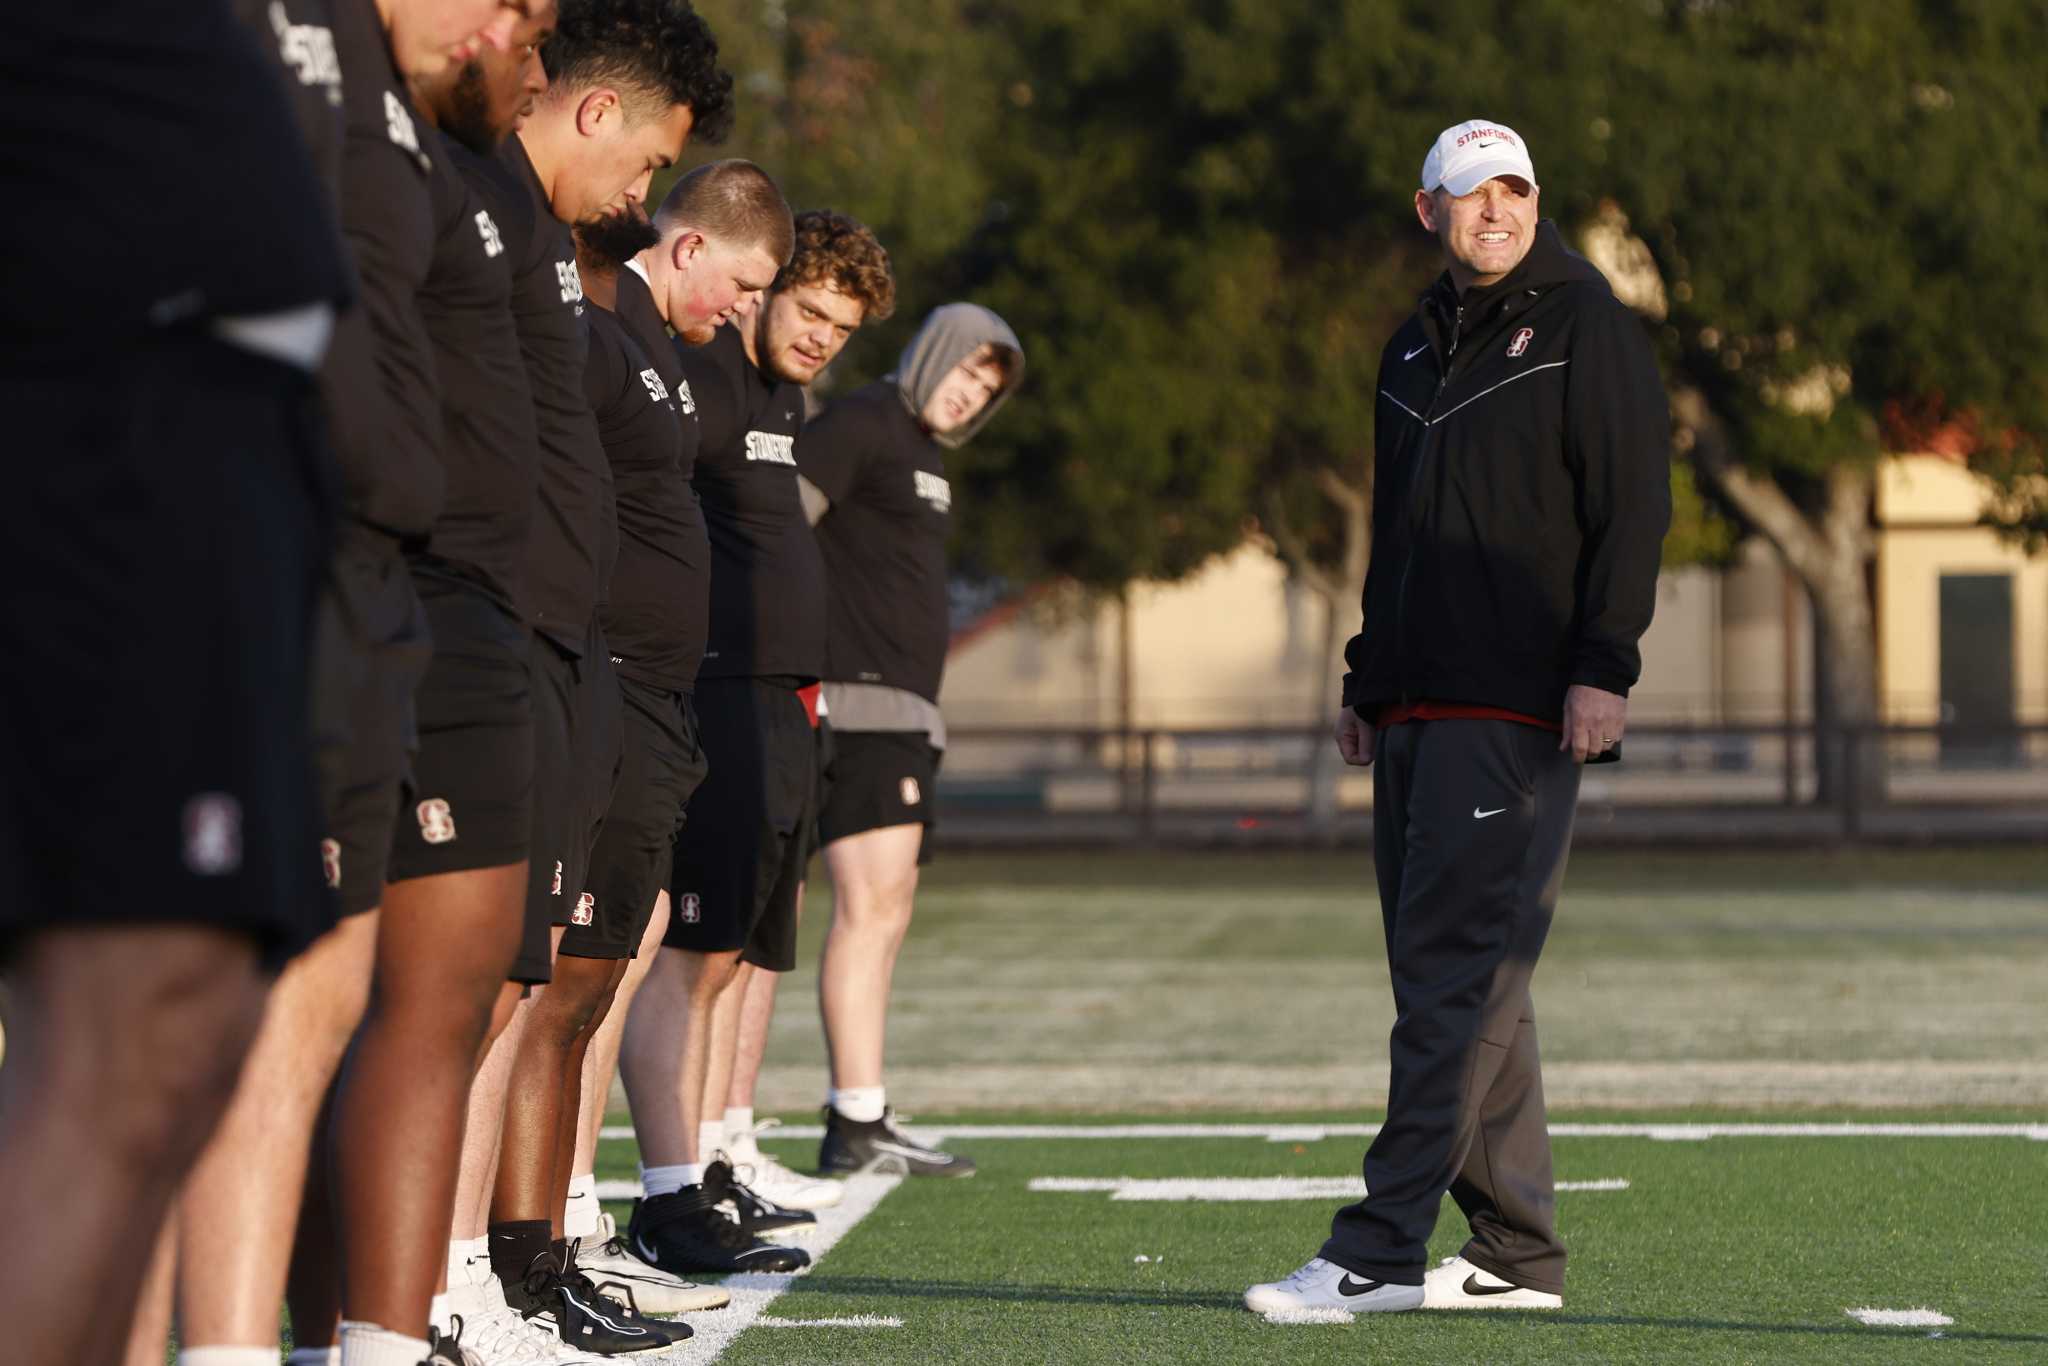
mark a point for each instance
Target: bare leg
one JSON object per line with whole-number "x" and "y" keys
{"x": 485, "y": 1129}
{"x": 108, "y": 1097}
{"x": 247, "y": 1185}
{"x": 547, "y": 1094}
{"x": 149, "y": 1339}
{"x": 667, "y": 1050}
{"x": 602, "y": 1062}
{"x": 313, "y": 1290}
{"x": 751, "y": 1045}
{"x": 723, "y": 1049}
{"x": 874, "y": 883}
{"x": 443, "y": 950}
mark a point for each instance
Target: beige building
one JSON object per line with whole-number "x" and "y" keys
{"x": 1963, "y": 635}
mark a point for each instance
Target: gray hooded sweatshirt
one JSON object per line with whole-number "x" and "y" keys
{"x": 949, "y": 336}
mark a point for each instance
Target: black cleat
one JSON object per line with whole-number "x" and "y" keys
{"x": 586, "y": 1316}
{"x": 756, "y": 1213}
{"x": 687, "y": 1234}
{"x": 853, "y": 1146}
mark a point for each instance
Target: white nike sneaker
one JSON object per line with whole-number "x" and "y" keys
{"x": 774, "y": 1182}
{"x": 607, "y": 1258}
{"x": 1321, "y": 1285}
{"x": 1457, "y": 1284}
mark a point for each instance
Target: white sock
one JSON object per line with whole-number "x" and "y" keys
{"x": 227, "y": 1356}
{"x": 365, "y": 1344}
{"x": 670, "y": 1179}
{"x": 861, "y": 1104}
{"x": 710, "y": 1138}
{"x": 438, "y": 1307}
{"x": 579, "y": 1220}
{"x": 739, "y": 1122}
{"x": 314, "y": 1356}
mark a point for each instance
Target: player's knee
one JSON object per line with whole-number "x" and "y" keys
{"x": 180, "y": 1070}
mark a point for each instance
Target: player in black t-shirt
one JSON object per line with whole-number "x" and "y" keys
{"x": 875, "y": 487}
{"x": 155, "y": 824}
{"x": 629, "y": 82}
{"x": 739, "y": 860}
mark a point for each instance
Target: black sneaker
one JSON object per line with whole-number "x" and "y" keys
{"x": 757, "y": 1214}
{"x": 588, "y": 1317}
{"x": 687, "y": 1234}
{"x": 853, "y": 1146}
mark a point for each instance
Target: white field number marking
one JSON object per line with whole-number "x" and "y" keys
{"x": 1235, "y": 1189}
{"x": 1900, "y": 1318}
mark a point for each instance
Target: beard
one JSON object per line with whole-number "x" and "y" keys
{"x": 467, "y": 118}
{"x": 618, "y": 237}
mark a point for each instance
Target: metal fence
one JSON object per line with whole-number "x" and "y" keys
{"x": 1675, "y": 784}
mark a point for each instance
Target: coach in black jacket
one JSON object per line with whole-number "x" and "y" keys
{"x": 1521, "y": 496}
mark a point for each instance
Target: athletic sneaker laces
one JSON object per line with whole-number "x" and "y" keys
{"x": 603, "y": 1319}
{"x": 446, "y": 1349}
{"x": 685, "y": 1232}
{"x": 772, "y": 1180}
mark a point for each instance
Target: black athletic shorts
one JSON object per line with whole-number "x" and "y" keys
{"x": 472, "y": 804}
{"x": 163, "y": 541}
{"x": 635, "y": 854}
{"x": 876, "y": 779}
{"x": 741, "y": 855}
{"x": 552, "y": 677}
{"x": 576, "y": 748}
{"x": 371, "y": 648}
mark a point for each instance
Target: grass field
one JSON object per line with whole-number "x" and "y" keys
{"x": 1724, "y": 1249}
{"x": 1192, "y": 991}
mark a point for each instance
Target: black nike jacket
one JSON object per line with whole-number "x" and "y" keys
{"x": 1521, "y": 494}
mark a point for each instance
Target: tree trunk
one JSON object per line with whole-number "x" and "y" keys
{"x": 1325, "y": 765}
{"x": 1338, "y": 587}
{"x": 1830, "y": 551}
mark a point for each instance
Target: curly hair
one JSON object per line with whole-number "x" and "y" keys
{"x": 660, "y": 50}
{"x": 834, "y": 249}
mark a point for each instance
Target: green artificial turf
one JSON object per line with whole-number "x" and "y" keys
{"x": 1723, "y": 1250}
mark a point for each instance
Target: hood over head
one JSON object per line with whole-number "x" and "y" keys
{"x": 950, "y": 335}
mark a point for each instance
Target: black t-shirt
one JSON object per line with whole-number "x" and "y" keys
{"x": 153, "y": 173}
{"x": 883, "y": 541}
{"x": 380, "y": 378}
{"x": 767, "y": 582}
{"x": 490, "y": 447}
{"x": 575, "y": 529}
{"x": 646, "y": 617}
{"x": 301, "y": 33}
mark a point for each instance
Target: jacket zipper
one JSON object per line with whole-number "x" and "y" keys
{"x": 1414, "y": 503}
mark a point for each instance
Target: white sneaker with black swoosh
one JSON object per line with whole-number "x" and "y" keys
{"x": 1321, "y": 1285}
{"x": 1457, "y": 1284}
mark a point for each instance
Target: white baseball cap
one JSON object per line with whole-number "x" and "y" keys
{"x": 1467, "y": 155}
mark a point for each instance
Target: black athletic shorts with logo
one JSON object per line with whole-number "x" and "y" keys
{"x": 472, "y": 803}
{"x": 163, "y": 543}
{"x": 634, "y": 858}
{"x": 372, "y": 646}
{"x": 576, "y": 748}
{"x": 876, "y": 779}
{"x": 741, "y": 855}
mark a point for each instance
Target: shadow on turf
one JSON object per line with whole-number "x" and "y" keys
{"x": 882, "y": 1286}
{"x": 1805, "y": 1329}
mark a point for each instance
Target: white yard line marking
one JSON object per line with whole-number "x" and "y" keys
{"x": 1244, "y": 1188}
{"x": 752, "y": 1294}
{"x": 1309, "y": 1316}
{"x": 1900, "y": 1318}
{"x": 1301, "y": 1133}
{"x": 856, "y": 1321}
